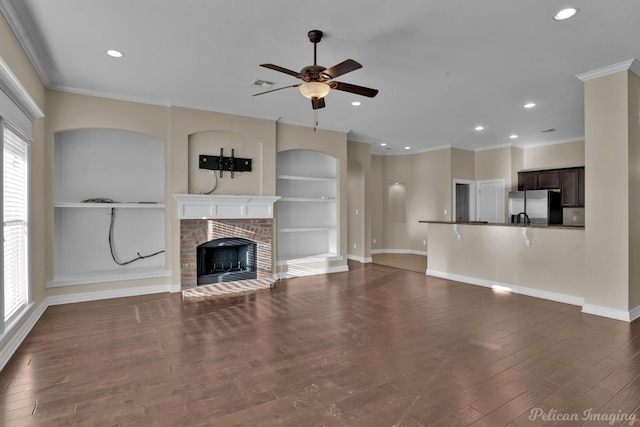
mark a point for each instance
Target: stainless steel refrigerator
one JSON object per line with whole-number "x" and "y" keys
{"x": 542, "y": 207}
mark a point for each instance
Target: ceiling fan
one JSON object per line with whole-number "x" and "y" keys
{"x": 318, "y": 80}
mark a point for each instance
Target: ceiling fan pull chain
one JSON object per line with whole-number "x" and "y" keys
{"x": 315, "y": 119}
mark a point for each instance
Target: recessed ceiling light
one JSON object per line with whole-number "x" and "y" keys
{"x": 529, "y": 105}
{"x": 514, "y": 136}
{"x": 407, "y": 148}
{"x": 479, "y": 128}
{"x": 563, "y": 14}
{"x": 114, "y": 53}
{"x": 383, "y": 144}
{"x": 356, "y": 103}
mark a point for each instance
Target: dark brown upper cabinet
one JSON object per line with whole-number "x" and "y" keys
{"x": 527, "y": 180}
{"x": 549, "y": 180}
{"x": 569, "y": 187}
{"x": 570, "y": 181}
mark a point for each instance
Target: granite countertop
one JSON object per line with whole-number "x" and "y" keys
{"x": 495, "y": 224}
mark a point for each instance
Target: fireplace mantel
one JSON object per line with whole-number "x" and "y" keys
{"x": 204, "y": 206}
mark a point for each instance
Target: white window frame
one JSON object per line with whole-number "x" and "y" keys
{"x": 24, "y": 307}
{"x": 17, "y": 111}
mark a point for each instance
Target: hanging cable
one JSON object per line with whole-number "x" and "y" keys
{"x": 215, "y": 183}
{"x": 111, "y": 244}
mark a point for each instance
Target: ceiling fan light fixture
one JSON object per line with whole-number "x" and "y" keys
{"x": 314, "y": 90}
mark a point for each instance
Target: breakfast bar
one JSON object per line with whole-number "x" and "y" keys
{"x": 541, "y": 261}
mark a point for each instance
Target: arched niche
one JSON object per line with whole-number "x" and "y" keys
{"x": 210, "y": 143}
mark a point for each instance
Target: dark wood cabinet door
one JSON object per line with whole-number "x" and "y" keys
{"x": 569, "y": 188}
{"x": 548, "y": 180}
{"x": 527, "y": 180}
{"x": 581, "y": 187}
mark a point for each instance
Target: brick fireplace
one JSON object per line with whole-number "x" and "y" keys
{"x": 195, "y": 232}
{"x": 206, "y": 218}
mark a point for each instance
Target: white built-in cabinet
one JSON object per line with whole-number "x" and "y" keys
{"x": 123, "y": 166}
{"x": 307, "y": 212}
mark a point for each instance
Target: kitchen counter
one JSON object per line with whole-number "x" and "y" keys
{"x": 540, "y": 261}
{"x": 497, "y": 224}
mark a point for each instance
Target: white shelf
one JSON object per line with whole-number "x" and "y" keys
{"x": 131, "y": 205}
{"x": 305, "y": 229}
{"x": 306, "y": 178}
{"x": 307, "y": 258}
{"x": 108, "y": 276}
{"x": 307, "y": 199}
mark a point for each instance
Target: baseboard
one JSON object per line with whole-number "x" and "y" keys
{"x": 612, "y": 313}
{"x": 398, "y": 251}
{"x": 360, "y": 259}
{"x": 313, "y": 271}
{"x": 112, "y": 293}
{"x": 20, "y": 334}
{"x": 507, "y": 287}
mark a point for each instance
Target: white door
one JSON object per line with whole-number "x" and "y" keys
{"x": 490, "y": 199}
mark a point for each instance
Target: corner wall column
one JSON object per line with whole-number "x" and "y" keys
{"x": 612, "y": 175}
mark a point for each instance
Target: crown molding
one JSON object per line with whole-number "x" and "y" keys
{"x": 630, "y": 64}
{"x": 10, "y": 14}
{"x": 10, "y": 84}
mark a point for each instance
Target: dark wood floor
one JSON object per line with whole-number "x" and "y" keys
{"x": 377, "y": 346}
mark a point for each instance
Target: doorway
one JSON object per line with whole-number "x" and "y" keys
{"x": 464, "y": 200}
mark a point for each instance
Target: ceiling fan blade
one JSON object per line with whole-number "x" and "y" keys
{"x": 358, "y": 90}
{"x": 342, "y": 68}
{"x": 281, "y": 69}
{"x": 317, "y": 103}
{"x": 273, "y": 90}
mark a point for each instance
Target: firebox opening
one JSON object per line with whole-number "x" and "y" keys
{"x": 226, "y": 260}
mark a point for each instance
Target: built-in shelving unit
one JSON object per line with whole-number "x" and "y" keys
{"x": 308, "y": 210}
{"x": 127, "y": 171}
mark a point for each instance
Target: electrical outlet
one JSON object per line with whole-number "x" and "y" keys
{"x": 354, "y": 246}
{"x": 374, "y": 241}
{"x": 424, "y": 242}
{"x": 445, "y": 211}
{"x": 357, "y": 212}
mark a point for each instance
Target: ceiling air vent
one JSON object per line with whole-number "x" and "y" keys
{"x": 262, "y": 83}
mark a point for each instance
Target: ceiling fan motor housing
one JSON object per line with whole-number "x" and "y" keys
{"x": 315, "y": 36}
{"x": 314, "y": 73}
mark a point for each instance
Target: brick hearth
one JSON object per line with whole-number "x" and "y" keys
{"x": 194, "y": 232}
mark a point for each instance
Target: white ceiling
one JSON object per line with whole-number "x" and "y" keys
{"x": 442, "y": 66}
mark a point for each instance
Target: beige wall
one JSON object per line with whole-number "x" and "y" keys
{"x": 377, "y": 202}
{"x": 554, "y": 156}
{"x": 554, "y": 262}
{"x": 432, "y": 184}
{"x": 359, "y": 200}
{"x": 494, "y": 164}
{"x": 607, "y": 178}
{"x": 463, "y": 164}
{"x": 210, "y": 143}
{"x": 634, "y": 184}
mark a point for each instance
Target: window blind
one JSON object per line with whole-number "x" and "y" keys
{"x": 16, "y": 226}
